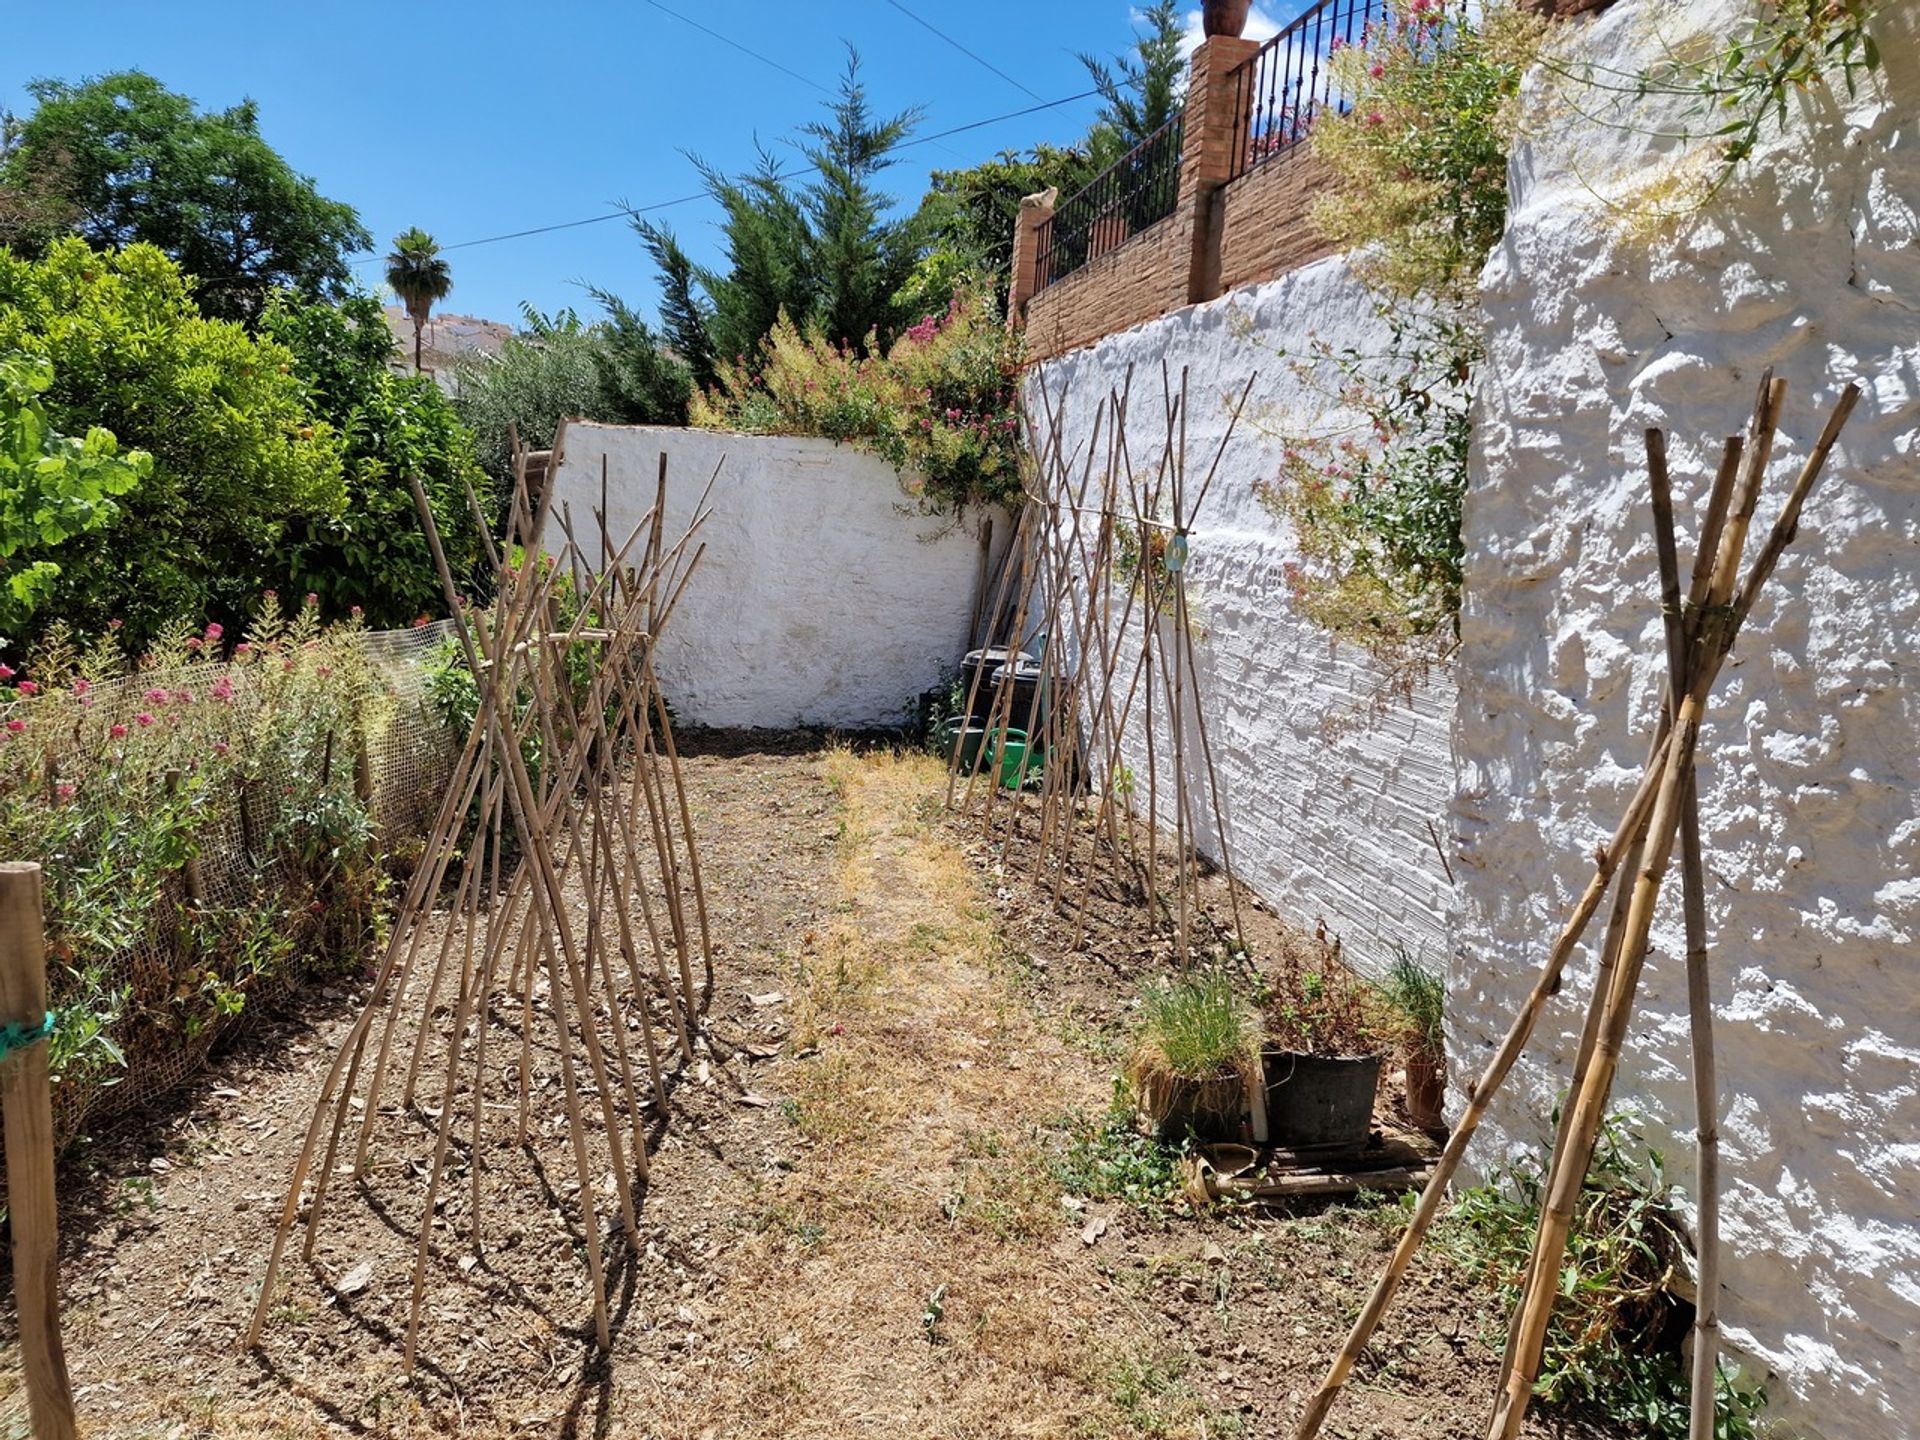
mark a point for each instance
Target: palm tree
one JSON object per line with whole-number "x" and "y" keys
{"x": 420, "y": 277}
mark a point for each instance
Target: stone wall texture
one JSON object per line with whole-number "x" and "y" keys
{"x": 1810, "y": 788}
{"x": 824, "y": 596}
{"x": 1601, "y": 323}
{"x": 1327, "y": 806}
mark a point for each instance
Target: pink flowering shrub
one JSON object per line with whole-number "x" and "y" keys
{"x": 125, "y": 779}
{"x": 939, "y": 406}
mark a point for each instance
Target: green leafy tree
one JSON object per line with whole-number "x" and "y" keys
{"x": 52, "y": 486}
{"x": 968, "y": 217}
{"x": 641, "y": 381}
{"x": 237, "y": 450}
{"x": 560, "y": 366}
{"x": 137, "y": 162}
{"x": 34, "y": 210}
{"x": 420, "y": 276}
{"x": 374, "y": 554}
{"x": 1140, "y": 91}
{"x": 822, "y": 253}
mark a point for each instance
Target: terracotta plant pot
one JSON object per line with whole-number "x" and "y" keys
{"x": 1225, "y": 17}
{"x": 1426, "y": 1091}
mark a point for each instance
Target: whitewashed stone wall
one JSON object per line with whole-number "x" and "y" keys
{"x": 825, "y": 596}
{"x": 1810, "y": 788}
{"x": 1809, "y": 262}
{"x": 1327, "y": 809}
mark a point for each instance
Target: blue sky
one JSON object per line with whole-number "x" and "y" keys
{"x": 476, "y": 119}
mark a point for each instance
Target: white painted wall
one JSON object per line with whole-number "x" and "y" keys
{"x": 1811, "y": 782}
{"x": 1329, "y": 825}
{"x": 825, "y": 596}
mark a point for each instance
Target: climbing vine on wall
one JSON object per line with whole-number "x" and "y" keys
{"x": 1732, "y": 90}
{"x": 1419, "y": 197}
{"x": 1418, "y": 200}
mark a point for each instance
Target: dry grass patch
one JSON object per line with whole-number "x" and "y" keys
{"x": 909, "y": 1278}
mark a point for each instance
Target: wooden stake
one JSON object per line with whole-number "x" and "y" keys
{"x": 26, "y": 1102}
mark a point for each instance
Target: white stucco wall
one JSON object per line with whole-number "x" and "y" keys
{"x": 825, "y": 596}
{"x": 1326, "y": 825}
{"x": 1810, "y": 786}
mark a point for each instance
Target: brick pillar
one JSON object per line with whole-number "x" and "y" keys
{"x": 1206, "y": 162}
{"x": 1024, "y": 284}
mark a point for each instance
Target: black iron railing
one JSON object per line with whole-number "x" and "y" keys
{"x": 1279, "y": 92}
{"x": 1131, "y": 194}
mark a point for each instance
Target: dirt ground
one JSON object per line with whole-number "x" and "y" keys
{"x": 883, "y": 1204}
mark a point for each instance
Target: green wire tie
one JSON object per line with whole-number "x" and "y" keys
{"x": 19, "y": 1037}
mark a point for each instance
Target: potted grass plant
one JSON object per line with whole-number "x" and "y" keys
{"x": 1326, "y": 1033}
{"x": 1419, "y": 996}
{"x": 1195, "y": 1056}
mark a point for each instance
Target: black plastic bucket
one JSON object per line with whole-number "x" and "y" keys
{"x": 1316, "y": 1100}
{"x": 986, "y": 664}
{"x": 1029, "y": 709}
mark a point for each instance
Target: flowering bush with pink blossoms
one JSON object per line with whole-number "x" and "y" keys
{"x": 939, "y": 406}
{"x": 203, "y": 816}
{"x": 1419, "y": 155}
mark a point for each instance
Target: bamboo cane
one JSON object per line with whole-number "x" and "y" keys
{"x": 26, "y": 1102}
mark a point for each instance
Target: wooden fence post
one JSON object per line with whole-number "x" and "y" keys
{"x": 27, "y": 1099}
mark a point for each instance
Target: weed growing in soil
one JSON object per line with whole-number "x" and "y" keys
{"x": 1150, "y": 1391}
{"x": 1614, "y": 1344}
{"x": 1107, "y": 1158}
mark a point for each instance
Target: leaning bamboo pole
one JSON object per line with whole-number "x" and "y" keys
{"x": 570, "y": 827}
{"x": 1713, "y": 629}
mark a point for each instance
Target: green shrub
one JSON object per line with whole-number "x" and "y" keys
{"x": 52, "y": 487}
{"x": 560, "y": 366}
{"x": 1197, "y": 1026}
{"x": 125, "y": 782}
{"x": 940, "y": 406}
{"x": 1419, "y": 995}
{"x": 1613, "y": 1344}
{"x": 237, "y": 450}
{"x": 1418, "y": 197}
{"x": 374, "y": 553}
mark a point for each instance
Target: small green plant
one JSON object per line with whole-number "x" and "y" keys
{"x": 1732, "y": 86}
{"x": 1614, "y": 1342}
{"x": 933, "y": 1313}
{"x": 1419, "y": 996}
{"x": 1107, "y": 1158}
{"x": 1314, "y": 1005}
{"x": 1195, "y": 1027}
{"x": 1197, "y": 1047}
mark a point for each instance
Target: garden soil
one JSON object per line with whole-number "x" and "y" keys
{"x": 864, "y": 1219}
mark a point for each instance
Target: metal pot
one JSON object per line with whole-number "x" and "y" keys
{"x": 1225, "y": 17}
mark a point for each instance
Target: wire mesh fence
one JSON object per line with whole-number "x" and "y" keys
{"x": 213, "y": 833}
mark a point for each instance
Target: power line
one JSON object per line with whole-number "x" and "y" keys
{"x": 628, "y": 211}
{"x": 977, "y": 59}
{"x": 996, "y": 119}
{"x": 744, "y": 50}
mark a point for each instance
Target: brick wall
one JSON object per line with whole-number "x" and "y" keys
{"x": 1137, "y": 281}
{"x": 1219, "y": 235}
{"x": 1265, "y": 220}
